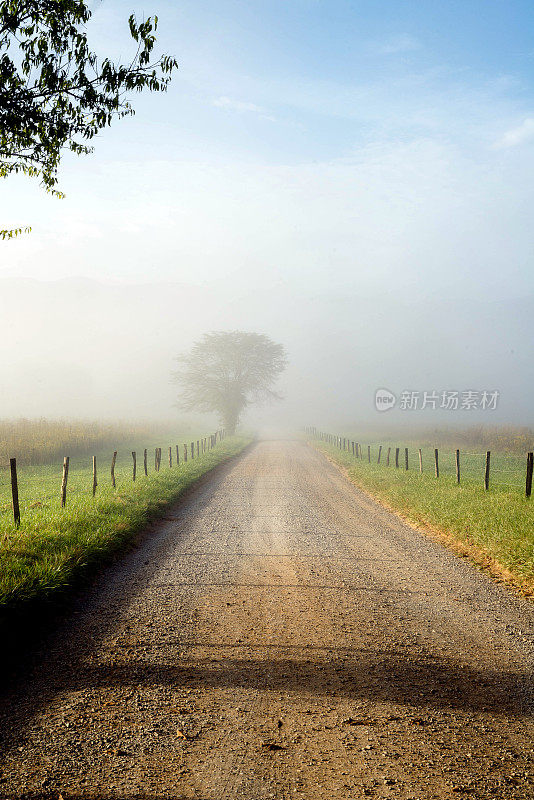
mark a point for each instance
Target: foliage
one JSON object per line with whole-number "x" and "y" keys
{"x": 54, "y": 91}
{"x": 14, "y": 232}
{"x": 227, "y": 371}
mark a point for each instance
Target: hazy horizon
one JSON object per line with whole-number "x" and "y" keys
{"x": 97, "y": 350}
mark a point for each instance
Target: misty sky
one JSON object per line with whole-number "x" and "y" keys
{"x": 329, "y": 158}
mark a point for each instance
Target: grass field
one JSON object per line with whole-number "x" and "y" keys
{"x": 507, "y": 469}
{"x": 40, "y": 483}
{"x": 495, "y": 527}
{"x": 54, "y": 547}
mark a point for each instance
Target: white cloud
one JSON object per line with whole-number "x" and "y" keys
{"x": 515, "y": 136}
{"x": 402, "y": 43}
{"x": 242, "y": 107}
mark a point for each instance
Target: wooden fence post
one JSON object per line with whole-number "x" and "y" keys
{"x": 156, "y": 459}
{"x": 397, "y": 457}
{"x": 379, "y": 454}
{"x": 436, "y": 461}
{"x": 457, "y": 466}
{"x": 185, "y": 453}
{"x": 64, "y": 481}
{"x": 192, "y": 449}
{"x": 198, "y": 448}
{"x": 530, "y": 464}
{"x": 95, "y": 482}
{"x": 15, "y": 491}
{"x": 134, "y": 458}
{"x": 369, "y": 453}
{"x": 406, "y": 457}
{"x": 145, "y": 461}
{"x": 353, "y": 449}
{"x": 177, "y": 455}
{"x": 387, "y": 457}
{"x": 420, "y": 460}
{"x": 487, "y": 470}
{"x": 113, "y": 460}
{"x": 170, "y": 456}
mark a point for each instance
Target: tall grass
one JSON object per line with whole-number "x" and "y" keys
{"x": 498, "y": 438}
{"x": 41, "y": 441}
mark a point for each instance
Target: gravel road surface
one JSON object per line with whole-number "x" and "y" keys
{"x": 278, "y": 635}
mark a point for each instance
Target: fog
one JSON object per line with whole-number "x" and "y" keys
{"x": 82, "y": 348}
{"x": 356, "y": 185}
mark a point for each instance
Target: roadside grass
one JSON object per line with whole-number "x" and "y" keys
{"x": 54, "y": 547}
{"x": 495, "y": 528}
{"x": 39, "y": 484}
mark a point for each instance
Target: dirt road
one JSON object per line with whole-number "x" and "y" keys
{"x": 279, "y": 635}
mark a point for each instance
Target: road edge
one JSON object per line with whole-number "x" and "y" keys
{"x": 22, "y": 623}
{"x": 476, "y": 555}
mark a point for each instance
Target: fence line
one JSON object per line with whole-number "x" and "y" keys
{"x": 205, "y": 444}
{"x": 346, "y": 444}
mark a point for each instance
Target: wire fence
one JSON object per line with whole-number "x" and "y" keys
{"x": 55, "y": 485}
{"x": 488, "y": 469}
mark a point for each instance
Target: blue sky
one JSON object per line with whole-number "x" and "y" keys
{"x": 308, "y": 80}
{"x": 358, "y": 145}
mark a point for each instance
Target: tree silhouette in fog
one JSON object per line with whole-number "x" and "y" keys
{"x": 228, "y": 370}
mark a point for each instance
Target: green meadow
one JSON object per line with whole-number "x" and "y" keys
{"x": 54, "y": 547}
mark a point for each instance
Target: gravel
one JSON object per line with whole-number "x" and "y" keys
{"x": 278, "y": 635}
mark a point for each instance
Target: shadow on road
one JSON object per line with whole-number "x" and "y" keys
{"x": 394, "y": 677}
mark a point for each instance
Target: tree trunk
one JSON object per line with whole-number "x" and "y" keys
{"x": 230, "y": 420}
